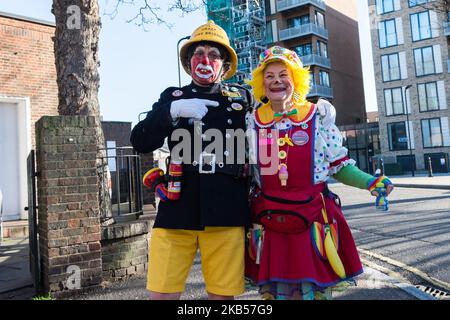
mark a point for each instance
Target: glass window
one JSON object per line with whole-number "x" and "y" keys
{"x": 390, "y": 65}
{"x": 324, "y": 78}
{"x": 298, "y": 21}
{"x": 303, "y": 50}
{"x": 311, "y": 79}
{"x": 424, "y": 61}
{"x": 394, "y": 101}
{"x": 398, "y": 139}
{"x": 322, "y": 49}
{"x": 413, "y": 3}
{"x": 267, "y": 8}
{"x": 269, "y": 33}
{"x": 420, "y": 26}
{"x": 111, "y": 154}
{"x": 387, "y": 33}
{"x": 428, "y": 96}
{"x": 385, "y": 6}
{"x": 320, "y": 19}
{"x": 432, "y": 133}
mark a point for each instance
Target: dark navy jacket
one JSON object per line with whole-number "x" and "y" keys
{"x": 218, "y": 199}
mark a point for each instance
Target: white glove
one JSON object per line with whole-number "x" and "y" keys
{"x": 191, "y": 108}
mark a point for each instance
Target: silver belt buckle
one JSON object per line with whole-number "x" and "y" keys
{"x": 208, "y": 159}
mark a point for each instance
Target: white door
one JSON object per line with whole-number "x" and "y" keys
{"x": 9, "y": 161}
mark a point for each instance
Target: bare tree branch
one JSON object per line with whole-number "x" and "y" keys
{"x": 187, "y": 6}
{"x": 149, "y": 12}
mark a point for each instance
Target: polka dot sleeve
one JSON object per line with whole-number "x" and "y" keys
{"x": 329, "y": 154}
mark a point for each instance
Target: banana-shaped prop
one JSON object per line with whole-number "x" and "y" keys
{"x": 328, "y": 236}
{"x": 332, "y": 254}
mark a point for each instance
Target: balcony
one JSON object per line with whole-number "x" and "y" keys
{"x": 283, "y": 5}
{"x": 447, "y": 28}
{"x": 320, "y": 91}
{"x": 314, "y": 59}
{"x": 303, "y": 30}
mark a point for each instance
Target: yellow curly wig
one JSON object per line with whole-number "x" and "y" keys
{"x": 300, "y": 74}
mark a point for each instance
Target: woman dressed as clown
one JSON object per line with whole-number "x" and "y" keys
{"x": 300, "y": 246}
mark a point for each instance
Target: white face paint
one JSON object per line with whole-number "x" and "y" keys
{"x": 204, "y": 71}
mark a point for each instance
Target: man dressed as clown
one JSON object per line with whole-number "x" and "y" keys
{"x": 210, "y": 210}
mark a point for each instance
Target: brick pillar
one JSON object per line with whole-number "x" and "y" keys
{"x": 69, "y": 216}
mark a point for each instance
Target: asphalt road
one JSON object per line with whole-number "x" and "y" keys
{"x": 415, "y": 231}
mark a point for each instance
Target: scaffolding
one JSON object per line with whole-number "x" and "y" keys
{"x": 244, "y": 22}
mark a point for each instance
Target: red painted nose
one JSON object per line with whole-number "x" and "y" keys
{"x": 204, "y": 59}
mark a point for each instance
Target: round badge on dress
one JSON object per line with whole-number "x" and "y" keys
{"x": 304, "y": 126}
{"x": 177, "y": 93}
{"x": 281, "y": 142}
{"x": 237, "y": 106}
{"x": 300, "y": 138}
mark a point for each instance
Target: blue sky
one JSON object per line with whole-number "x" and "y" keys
{"x": 136, "y": 66}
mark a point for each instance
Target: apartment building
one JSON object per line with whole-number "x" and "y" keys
{"x": 325, "y": 36}
{"x": 410, "y": 40}
{"x": 323, "y": 33}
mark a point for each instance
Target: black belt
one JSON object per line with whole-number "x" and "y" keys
{"x": 235, "y": 170}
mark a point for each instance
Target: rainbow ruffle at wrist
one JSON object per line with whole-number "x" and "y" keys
{"x": 373, "y": 182}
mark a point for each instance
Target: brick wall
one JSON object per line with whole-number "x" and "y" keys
{"x": 69, "y": 223}
{"x": 27, "y": 65}
{"x": 125, "y": 249}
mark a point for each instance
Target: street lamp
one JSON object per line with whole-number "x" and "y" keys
{"x": 409, "y": 132}
{"x": 178, "y": 58}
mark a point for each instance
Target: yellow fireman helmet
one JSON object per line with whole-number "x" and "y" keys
{"x": 210, "y": 32}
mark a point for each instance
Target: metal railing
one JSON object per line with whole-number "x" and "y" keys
{"x": 122, "y": 168}
{"x": 288, "y": 4}
{"x": 303, "y": 30}
{"x": 314, "y": 59}
{"x": 321, "y": 91}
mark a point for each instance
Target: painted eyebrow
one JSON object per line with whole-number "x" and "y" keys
{"x": 272, "y": 73}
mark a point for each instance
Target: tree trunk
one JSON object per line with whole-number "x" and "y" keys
{"x": 76, "y": 57}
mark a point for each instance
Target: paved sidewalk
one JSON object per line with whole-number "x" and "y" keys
{"x": 14, "y": 264}
{"x": 438, "y": 181}
{"x": 372, "y": 285}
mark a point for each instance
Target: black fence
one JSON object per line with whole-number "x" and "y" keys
{"x": 122, "y": 168}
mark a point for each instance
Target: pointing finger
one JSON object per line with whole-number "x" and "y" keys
{"x": 210, "y": 103}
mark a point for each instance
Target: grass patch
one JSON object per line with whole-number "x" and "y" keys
{"x": 47, "y": 297}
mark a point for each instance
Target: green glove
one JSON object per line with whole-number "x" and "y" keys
{"x": 352, "y": 176}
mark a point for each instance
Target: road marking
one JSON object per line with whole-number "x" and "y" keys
{"x": 387, "y": 276}
{"x": 417, "y": 272}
